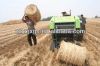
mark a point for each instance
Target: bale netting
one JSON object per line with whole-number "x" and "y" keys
{"x": 33, "y": 12}
{"x": 71, "y": 53}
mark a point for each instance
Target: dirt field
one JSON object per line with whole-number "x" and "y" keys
{"x": 15, "y": 50}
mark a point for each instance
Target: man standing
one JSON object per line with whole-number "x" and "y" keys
{"x": 30, "y": 25}
{"x": 83, "y": 19}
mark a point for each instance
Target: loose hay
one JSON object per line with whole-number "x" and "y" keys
{"x": 71, "y": 53}
{"x": 33, "y": 12}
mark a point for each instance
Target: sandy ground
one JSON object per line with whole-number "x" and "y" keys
{"x": 15, "y": 50}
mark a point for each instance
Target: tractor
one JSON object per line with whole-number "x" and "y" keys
{"x": 67, "y": 28}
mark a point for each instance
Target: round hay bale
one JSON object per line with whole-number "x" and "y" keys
{"x": 71, "y": 53}
{"x": 33, "y": 12}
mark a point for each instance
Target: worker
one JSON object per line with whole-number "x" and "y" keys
{"x": 83, "y": 19}
{"x": 30, "y": 25}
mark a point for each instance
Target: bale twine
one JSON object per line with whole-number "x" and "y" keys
{"x": 33, "y": 12}
{"x": 71, "y": 53}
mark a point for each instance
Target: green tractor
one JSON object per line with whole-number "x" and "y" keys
{"x": 66, "y": 28}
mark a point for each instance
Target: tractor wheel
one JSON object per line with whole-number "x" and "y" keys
{"x": 86, "y": 63}
{"x": 52, "y": 47}
{"x": 78, "y": 37}
{"x": 55, "y": 42}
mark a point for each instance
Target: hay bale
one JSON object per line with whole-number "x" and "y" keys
{"x": 71, "y": 53}
{"x": 33, "y": 12}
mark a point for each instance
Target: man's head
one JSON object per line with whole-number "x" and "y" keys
{"x": 81, "y": 15}
{"x": 26, "y": 17}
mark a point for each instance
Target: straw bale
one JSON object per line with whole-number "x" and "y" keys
{"x": 71, "y": 53}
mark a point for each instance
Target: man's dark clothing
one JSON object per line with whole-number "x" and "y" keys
{"x": 83, "y": 19}
{"x": 31, "y": 36}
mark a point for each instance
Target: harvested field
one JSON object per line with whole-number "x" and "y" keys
{"x": 15, "y": 50}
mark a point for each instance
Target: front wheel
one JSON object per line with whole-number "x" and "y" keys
{"x": 86, "y": 63}
{"x": 52, "y": 46}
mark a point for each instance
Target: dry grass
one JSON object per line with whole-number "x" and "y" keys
{"x": 40, "y": 55}
{"x": 71, "y": 53}
{"x": 33, "y": 12}
{"x": 10, "y": 22}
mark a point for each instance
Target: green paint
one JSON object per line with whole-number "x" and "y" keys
{"x": 64, "y": 19}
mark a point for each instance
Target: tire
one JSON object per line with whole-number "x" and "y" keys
{"x": 86, "y": 63}
{"x": 52, "y": 46}
{"x": 55, "y": 42}
{"x": 78, "y": 37}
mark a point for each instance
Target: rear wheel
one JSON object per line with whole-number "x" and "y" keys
{"x": 52, "y": 47}
{"x": 86, "y": 63}
{"x": 79, "y": 37}
{"x": 56, "y": 39}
